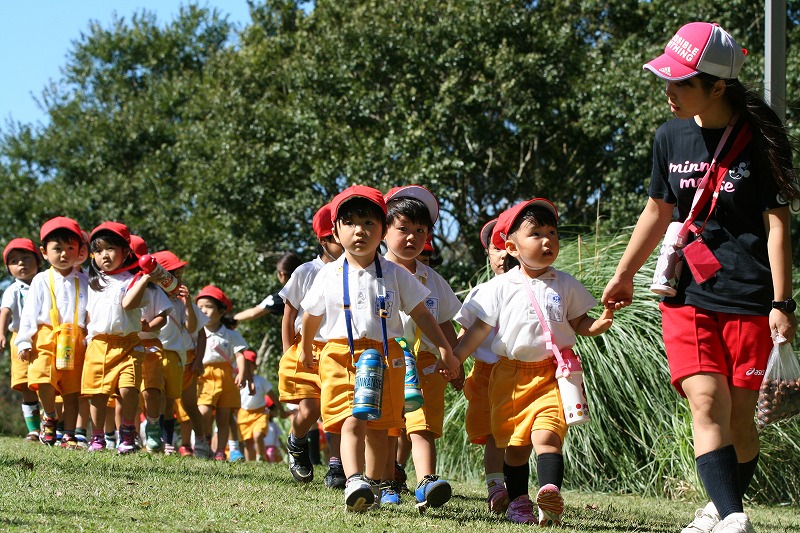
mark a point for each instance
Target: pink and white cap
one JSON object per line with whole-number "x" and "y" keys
{"x": 699, "y": 47}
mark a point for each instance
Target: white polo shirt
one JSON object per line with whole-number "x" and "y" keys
{"x": 257, "y": 400}
{"x": 13, "y": 300}
{"x": 159, "y": 304}
{"x": 504, "y": 302}
{"x": 222, "y": 346}
{"x": 466, "y": 318}
{"x": 108, "y": 317}
{"x": 297, "y": 287}
{"x": 174, "y": 335}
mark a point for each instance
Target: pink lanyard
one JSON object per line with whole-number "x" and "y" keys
{"x": 548, "y": 335}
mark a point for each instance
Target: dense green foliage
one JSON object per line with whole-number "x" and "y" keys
{"x": 220, "y": 143}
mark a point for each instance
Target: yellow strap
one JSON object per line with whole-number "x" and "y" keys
{"x": 54, "y": 308}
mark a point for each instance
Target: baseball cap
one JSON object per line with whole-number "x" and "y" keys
{"x": 357, "y": 191}
{"x": 486, "y": 232}
{"x": 429, "y": 244}
{"x": 59, "y": 223}
{"x": 507, "y": 218}
{"x": 210, "y": 291}
{"x": 114, "y": 227}
{"x": 138, "y": 245}
{"x": 699, "y": 47}
{"x": 168, "y": 260}
{"x": 249, "y": 355}
{"x": 420, "y": 193}
{"x": 20, "y": 244}
{"x": 322, "y": 222}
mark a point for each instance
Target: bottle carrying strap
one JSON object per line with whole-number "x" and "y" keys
{"x": 548, "y": 335}
{"x": 348, "y": 315}
{"x": 54, "y": 308}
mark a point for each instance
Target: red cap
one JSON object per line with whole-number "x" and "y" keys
{"x": 486, "y": 232}
{"x": 699, "y": 47}
{"x": 507, "y": 218}
{"x": 428, "y": 244}
{"x": 249, "y": 355}
{"x": 114, "y": 227}
{"x": 168, "y": 260}
{"x": 357, "y": 191}
{"x": 420, "y": 193}
{"x": 322, "y": 222}
{"x": 138, "y": 245}
{"x": 21, "y": 244}
{"x": 210, "y": 291}
{"x": 59, "y": 223}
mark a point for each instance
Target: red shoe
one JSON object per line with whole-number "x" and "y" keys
{"x": 185, "y": 451}
{"x": 48, "y": 434}
{"x": 220, "y": 456}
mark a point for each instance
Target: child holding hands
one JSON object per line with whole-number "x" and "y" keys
{"x": 526, "y": 409}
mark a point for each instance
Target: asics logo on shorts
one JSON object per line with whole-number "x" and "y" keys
{"x": 754, "y": 372}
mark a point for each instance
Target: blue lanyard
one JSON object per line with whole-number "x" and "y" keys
{"x": 348, "y": 315}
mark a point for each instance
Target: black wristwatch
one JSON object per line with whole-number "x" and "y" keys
{"x": 785, "y": 305}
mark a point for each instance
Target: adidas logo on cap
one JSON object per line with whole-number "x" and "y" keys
{"x": 665, "y": 70}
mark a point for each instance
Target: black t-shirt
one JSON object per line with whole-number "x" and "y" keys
{"x": 735, "y": 232}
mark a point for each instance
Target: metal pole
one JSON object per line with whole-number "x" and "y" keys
{"x": 775, "y": 56}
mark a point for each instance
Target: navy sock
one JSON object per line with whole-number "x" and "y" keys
{"x": 746, "y": 472}
{"x": 516, "y": 479}
{"x": 550, "y": 469}
{"x": 168, "y": 430}
{"x": 719, "y": 471}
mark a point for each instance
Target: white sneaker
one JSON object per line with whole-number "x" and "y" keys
{"x": 704, "y": 520}
{"x": 734, "y": 523}
{"x": 358, "y": 495}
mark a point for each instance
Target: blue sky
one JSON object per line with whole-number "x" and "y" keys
{"x": 35, "y": 36}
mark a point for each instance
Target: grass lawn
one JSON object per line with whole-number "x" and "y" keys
{"x": 48, "y": 489}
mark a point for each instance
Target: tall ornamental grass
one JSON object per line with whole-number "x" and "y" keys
{"x": 640, "y": 437}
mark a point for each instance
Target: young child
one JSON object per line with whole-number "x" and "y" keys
{"x": 526, "y": 409}
{"x": 411, "y": 213}
{"x": 296, "y": 383}
{"x": 272, "y": 304}
{"x": 55, "y": 310}
{"x": 378, "y": 290}
{"x": 476, "y": 388}
{"x": 252, "y": 417}
{"x": 224, "y": 368}
{"x": 115, "y": 354}
{"x": 22, "y": 261}
{"x": 180, "y": 367}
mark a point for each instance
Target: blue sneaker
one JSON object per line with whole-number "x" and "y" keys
{"x": 390, "y": 495}
{"x": 235, "y": 456}
{"x": 432, "y": 492}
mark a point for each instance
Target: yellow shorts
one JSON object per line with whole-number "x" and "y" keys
{"x": 180, "y": 414}
{"x": 189, "y": 378}
{"x": 19, "y": 369}
{"x": 152, "y": 374}
{"x": 478, "y": 419}
{"x": 296, "y": 382}
{"x": 173, "y": 373}
{"x": 112, "y": 362}
{"x": 217, "y": 387}
{"x": 42, "y": 368}
{"x": 524, "y": 398}
{"x": 252, "y": 423}
{"x": 337, "y": 376}
{"x": 429, "y": 417}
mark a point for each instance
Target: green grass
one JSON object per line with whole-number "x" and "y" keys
{"x": 47, "y": 489}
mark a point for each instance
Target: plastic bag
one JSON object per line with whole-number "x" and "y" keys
{"x": 779, "y": 397}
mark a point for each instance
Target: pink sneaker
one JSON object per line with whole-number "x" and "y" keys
{"x": 498, "y": 498}
{"x": 551, "y": 505}
{"x": 97, "y": 444}
{"x": 521, "y": 510}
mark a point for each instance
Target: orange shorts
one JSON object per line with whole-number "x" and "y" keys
{"x": 296, "y": 382}
{"x": 524, "y": 398}
{"x": 19, "y": 369}
{"x": 152, "y": 374}
{"x": 252, "y": 423}
{"x": 173, "y": 374}
{"x": 478, "y": 419}
{"x": 337, "y": 376}
{"x": 189, "y": 377}
{"x": 429, "y": 417}
{"x": 42, "y": 368}
{"x": 217, "y": 387}
{"x": 112, "y": 362}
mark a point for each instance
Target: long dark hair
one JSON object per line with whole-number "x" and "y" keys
{"x": 773, "y": 150}
{"x": 96, "y": 276}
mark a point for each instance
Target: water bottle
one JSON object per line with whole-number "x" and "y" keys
{"x": 668, "y": 268}
{"x": 165, "y": 280}
{"x": 413, "y": 394}
{"x": 368, "y": 390}
{"x": 572, "y": 389}
{"x": 65, "y": 347}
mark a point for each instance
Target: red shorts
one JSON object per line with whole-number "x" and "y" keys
{"x": 699, "y": 341}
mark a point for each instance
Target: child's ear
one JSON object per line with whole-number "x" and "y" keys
{"x": 511, "y": 247}
{"x": 336, "y": 233}
{"x": 43, "y": 251}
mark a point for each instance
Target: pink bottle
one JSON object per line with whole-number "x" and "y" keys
{"x": 165, "y": 280}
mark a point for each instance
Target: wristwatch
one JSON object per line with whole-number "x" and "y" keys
{"x": 788, "y": 305}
